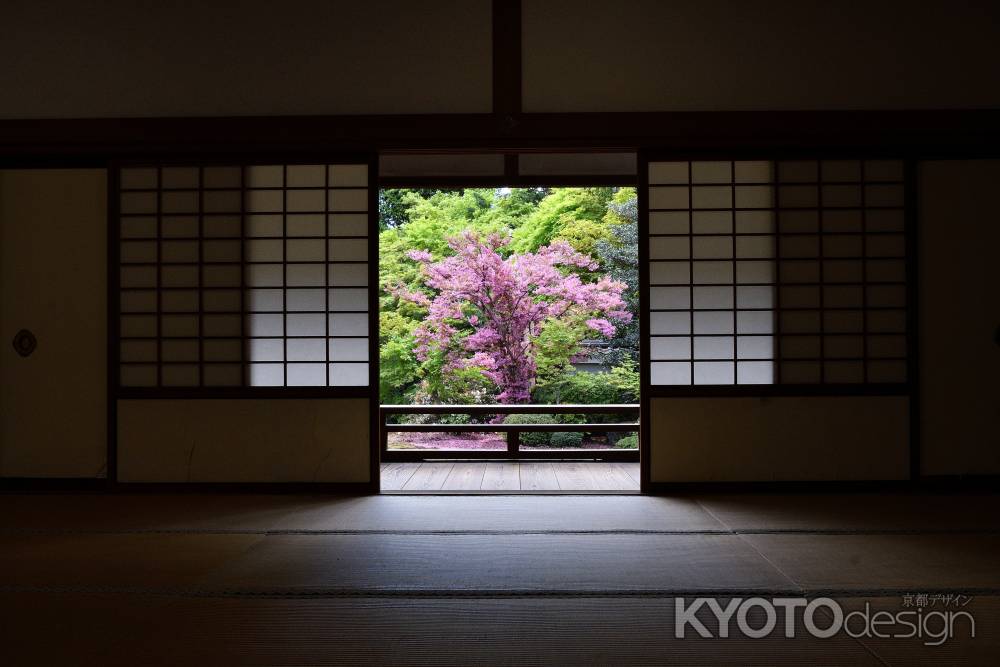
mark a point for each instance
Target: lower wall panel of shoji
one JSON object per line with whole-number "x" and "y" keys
{"x": 244, "y": 440}
{"x": 787, "y": 438}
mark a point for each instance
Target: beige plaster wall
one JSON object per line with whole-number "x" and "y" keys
{"x": 243, "y": 440}
{"x": 772, "y": 439}
{"x": 127, "y": 58}
{"x": 706, "y": 55}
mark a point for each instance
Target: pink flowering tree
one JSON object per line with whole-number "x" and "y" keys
{"x": 485, "y": 311}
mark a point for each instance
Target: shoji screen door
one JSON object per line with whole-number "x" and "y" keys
{"x": 245, "y": 277}
{"x": 789, "y": 272}
{"x": 761, "y": 272}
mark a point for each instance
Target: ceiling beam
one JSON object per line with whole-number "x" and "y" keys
{"x": 946, "y": 133}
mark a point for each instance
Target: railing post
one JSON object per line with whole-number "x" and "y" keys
{"x": 513, "y": 441}
{"x": 383, "y": 436}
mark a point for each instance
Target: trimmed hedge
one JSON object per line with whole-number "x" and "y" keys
{"x": 628, "y": 442}
{"x": 532, "y": 439}
{"x": 566, "y": 440}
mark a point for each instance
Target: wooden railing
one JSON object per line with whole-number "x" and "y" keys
{"x": 513, "y": 431}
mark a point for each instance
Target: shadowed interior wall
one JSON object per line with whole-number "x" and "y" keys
{"x": 774, "y": 439}
{"x": 959, "y": 316}
{"x": 121, "y": 58}
{"x": 53, "y": 276}
{"x": 244, "y": 440}
{"x": 706, "y": 55}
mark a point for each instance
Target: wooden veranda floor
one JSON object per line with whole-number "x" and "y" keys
{"x": 510, "y": 476}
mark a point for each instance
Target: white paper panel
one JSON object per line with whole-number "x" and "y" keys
{"x": 305, "y": 224}
{"x": 306, "y": 175}
{"x": 755, "y": 347}
{"x": 276, "y": 253}
{"x": 714, "y": 372}
{"x": 267, "y": 375}
{"x": 306, "y": 375}
{"x": 348, "y": 175}
{"x": 306, "y": 349}
{"x": 755, "y": 372}
{"x": 670, "y": 373}
{"x": 669, "y": 348}
{"x": 348, "y": 375}
{"x": 348, "y": 349}
{"x": 348, "y": 324}
{"x": 179, "y": 375}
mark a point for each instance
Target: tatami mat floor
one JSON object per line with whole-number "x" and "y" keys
{"x": 158, "y": 579}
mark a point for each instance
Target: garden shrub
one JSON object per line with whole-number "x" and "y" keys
{"x": 566, "y": 440}
{"x": 532, "y": 439}
{"x": 577, "y": 387}
{"x": 628, "y": 442}
{"x": 619, "y": 385}
{"x": 434, "y": 419}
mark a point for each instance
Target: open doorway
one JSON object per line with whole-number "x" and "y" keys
{"x": 509, "y": 339}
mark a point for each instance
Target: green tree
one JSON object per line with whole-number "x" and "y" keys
{"x": 560, "y": 211}
{"x": 600, "y": 222}
{"x": 423, "y": 220}
{"x": 399, "y": 370}
{"x": 619, "y": 258}
{"x": 392, "y": 207}
{"x": 556, "y": 345}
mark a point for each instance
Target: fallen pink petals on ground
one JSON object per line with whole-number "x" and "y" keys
{"x": 471, "y": 441}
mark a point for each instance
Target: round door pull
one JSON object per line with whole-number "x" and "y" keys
{"x": 25, "y": 342}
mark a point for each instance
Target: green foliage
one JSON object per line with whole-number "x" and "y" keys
{"x": 564, "y": 210}
{"x": 584, "y": 235}
{"x": 465, "y": 385}
{"x": 398, "y": 365}
{"x": 623, "y": 196}
{"x": 566, "y": 440}
{"x": 557, "y": 342}
{"x": 434, "y": 220}
{"x": 532, "y": 439}
{"x": 423, "y": 220}
{"x": 561, "y": 439}
{"x": 625, "y": 380}
{"x": 394, "y": 325}
{"x": 525, "y": 200}
{"x": 619, "y": 385}
{"x": 394, "y": 267}
{"x": 579, "y": 387}
{"x": 618, "y": 257}
{"x": 393, "y": 209}
{"x": 397, "y": 370}
{"x": 628, "y": 442}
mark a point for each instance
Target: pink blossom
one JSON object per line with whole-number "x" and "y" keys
{"x": 506, "y": 302}
{"x": 404, "y": 294}
{"x": 602, "y": 325}
{"x": 419, "y": 255}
